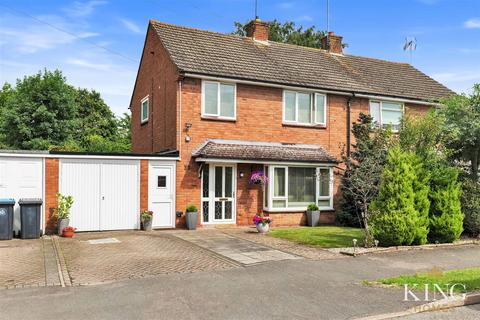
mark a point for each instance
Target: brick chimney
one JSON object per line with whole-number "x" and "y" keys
{"x": 332, "y": 43}
{"x": 257, "y": 30}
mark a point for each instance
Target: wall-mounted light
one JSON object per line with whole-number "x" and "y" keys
{"x": 187, "y": 138}
{"x": 241, "y": 174}
{"x": 188, "y": 125}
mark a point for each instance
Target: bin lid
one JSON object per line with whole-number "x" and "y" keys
{"x": 30, "y": 201}
{"x": 7, "y": 201}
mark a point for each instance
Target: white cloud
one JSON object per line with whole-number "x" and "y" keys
{"x": 130, "y": 25}
{"x": 473, "y": 23}
{"x": 286, "y": 5}
{"x": 88, "y": 64}
{"x": 83, "y": 9}
{"x": 459, "y": 81}
{"x": 306, "y": 18}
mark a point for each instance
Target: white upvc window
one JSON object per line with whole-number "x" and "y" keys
{"x": 144, "y": 110}
{"x": 387, "y": 113}
{"x": 293, "y": 188}
{"x": 219, "y": 100}
{"x": 304, "y": 108}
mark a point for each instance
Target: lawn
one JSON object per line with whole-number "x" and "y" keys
{"x": 469, "y": 277}
{"x": 325, "y": 237}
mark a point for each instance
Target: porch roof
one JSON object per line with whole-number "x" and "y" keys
{"x": 247, "y": 151}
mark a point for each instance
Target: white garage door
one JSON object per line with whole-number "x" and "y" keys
{"x": 21, "y": 178}
{"x": 105, "y": 193}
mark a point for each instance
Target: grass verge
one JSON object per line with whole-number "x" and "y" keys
{"x": 325, "y": 236}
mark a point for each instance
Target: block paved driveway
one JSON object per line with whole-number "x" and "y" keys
{"x": 136, "y": 254}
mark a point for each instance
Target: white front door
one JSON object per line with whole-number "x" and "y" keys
{"x": 161, "y": 195}
{"x": 218, "y": 194}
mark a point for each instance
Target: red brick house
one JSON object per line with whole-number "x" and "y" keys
{"x": 233, "y": 105}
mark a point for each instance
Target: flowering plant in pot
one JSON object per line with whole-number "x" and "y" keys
{"x": 146, "y": 218}
{"x": 262, "y": 222}
{"x": 63, "y": 211}
{"x": 68, "y": 232}
{"x": 258, "y": 178}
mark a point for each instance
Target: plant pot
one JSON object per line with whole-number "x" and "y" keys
{"x": 263, "y": 228}
{"x": 191, "y": 219}
{"x": 147, "y": 225}
{"x": 68, "y": 234}
{"x": 313, "y": 217}
{"x": 62, "y": 224}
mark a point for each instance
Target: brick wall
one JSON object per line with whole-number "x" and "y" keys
{"x": 143, "y": 185}
{"x": 51, "y": 189}
{"x": 157, "y": 78}
{"x": 259, "y": 118}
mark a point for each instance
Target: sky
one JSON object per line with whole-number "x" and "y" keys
{"x": 98, "y": 43}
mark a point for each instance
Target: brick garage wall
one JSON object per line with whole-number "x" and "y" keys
{"x": 143, "y": 185}
{"x": 157, "y": 77}
{"x": 51, "y": 189}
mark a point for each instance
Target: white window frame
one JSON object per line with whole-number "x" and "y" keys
{"x": 217, "y": 115}
{"x": 313, "y": 109}
{"x": 142, "y": 119}
{"x": 271, "y": 183}
{"x": 380, "y": 102}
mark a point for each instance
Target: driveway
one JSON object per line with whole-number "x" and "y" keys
{"x": 93, "y": 258}
{"x": 287, "y": 289}
{"x": 237, "y": 249}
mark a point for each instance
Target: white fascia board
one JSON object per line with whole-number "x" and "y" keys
{"x": 384, "y": 98}
{"x": 71, "y": 156}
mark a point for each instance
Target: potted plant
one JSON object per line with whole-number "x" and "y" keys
{"x": 63, "y": 211}
{"x": 258, "y": 178}
{"x": 262, "y": 222}
{"x": 313, "y": 215}
{"x": 146, "y": 218}
{"x": 68, "y": 232}
{"x": 191, "y": 217}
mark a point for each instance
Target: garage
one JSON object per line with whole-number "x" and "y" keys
{"x": 21, "y": 177}
{"x": 105, "y": 192}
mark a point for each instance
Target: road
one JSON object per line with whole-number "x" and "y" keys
{"x": 291, "y": 289}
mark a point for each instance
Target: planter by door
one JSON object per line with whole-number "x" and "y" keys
{"x": 62, "y": 224}
{"x": 263, "y": 228}
{"x": 192, "y": 218}
{"x": 313, "y": 217}
{"x": 147, "y": 225}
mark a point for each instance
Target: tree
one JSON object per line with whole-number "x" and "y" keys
{"x": 401, "y": 207}
{"x": 471, "y": 207}
{"x": 462, "y": 127}
{"x": 44, "y": 112}
{"x": 363, "y": 171}
{"x": 40, "y": 112}
{"x": 288, "y": 33}
{"x": 446, "y": 217}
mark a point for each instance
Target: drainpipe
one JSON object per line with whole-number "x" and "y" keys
{"x": 349, "y": 109}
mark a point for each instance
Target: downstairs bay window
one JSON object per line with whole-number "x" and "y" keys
{"x": 293, "y": 188}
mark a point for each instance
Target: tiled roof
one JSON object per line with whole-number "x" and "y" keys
{"x": 231, "y": 56}
{"x": 262, "y": 151}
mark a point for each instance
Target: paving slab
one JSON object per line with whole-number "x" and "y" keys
{"x": 240, "y": 250}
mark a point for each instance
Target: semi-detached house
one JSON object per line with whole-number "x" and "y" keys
{"x": 233, "y": 105}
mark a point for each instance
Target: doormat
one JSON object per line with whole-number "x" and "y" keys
{"x": 104, "y": 241}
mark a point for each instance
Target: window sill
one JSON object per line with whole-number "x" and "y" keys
{"x": 213, "y": 118}
{"x": 144, "y": 122}
{"x": 293, "y": 210}
{"x": 304, "y": 125}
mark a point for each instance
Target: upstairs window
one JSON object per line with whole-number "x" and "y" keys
{"x": 144, "y": 110}
{"x": 218, "y": 100}
{"x": 304, "y": 108}
{"x": 386, "y": 113}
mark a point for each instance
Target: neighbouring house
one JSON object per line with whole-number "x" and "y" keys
{"x": 234, "y": 105}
